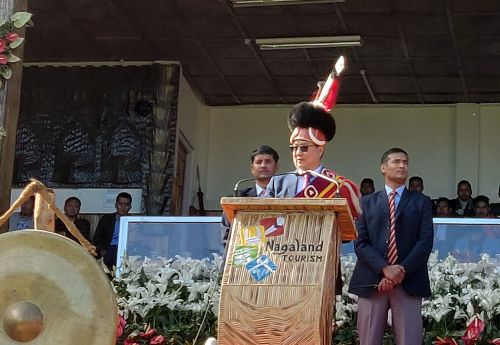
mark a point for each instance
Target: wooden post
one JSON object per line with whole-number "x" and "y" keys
{"x": 10, "y": 95}
{"x": 43, "y": 216}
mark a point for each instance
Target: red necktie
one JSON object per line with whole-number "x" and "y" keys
{"x": 393, "y": 251}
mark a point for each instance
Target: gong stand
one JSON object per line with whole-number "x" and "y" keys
{"x": 44, "y": 211}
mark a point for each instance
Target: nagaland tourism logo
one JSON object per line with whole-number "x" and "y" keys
{"x": 273, "y": 226}
{"x": 252, "y": 237}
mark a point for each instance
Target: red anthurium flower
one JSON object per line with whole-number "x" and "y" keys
{"x": 477, "y": 325}
{"x": 445, "y": 341}
{"x": 495, "y": 341}
{"x": 3, "y": 59}
{"x": 2, "y": 46}
{"x": 11, "y": 37}
{"x": 120, "y": 327}
{"x": 157, "y": 340}
{"x": 148, "y": 333}
{"x": 473, "y": 331}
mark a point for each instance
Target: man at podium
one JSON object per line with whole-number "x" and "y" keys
{"x": 312, "y": 127}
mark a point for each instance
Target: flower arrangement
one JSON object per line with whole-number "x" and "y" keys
{"x": 167, "y": 301}
{"x": 464, "y": 307}
{"x": 175, "y": 302}
{"x": 9, "y": 40}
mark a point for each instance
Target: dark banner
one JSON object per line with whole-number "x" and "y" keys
{"x": 94, "y": 127}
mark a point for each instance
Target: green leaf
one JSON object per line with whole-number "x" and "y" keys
{"x": 20, "y": 19}
{"x": 2, "y": 22}
{"x": 13, "y": 58}
{"x": 16, "y": 43}
{"x": 2, "y": 132}
{"x": 7, "y": 73}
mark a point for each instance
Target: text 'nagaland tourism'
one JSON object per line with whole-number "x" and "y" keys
{"x": 296, "y": 251}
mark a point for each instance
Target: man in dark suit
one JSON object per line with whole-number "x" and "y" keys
{"x": 72, "y": 207}
{"x": 395, "y": 237}
{"x": 263, "y": 165}
{"x": 495, "y": 207}
{"x": 463, "y": 205}
{"x": 108, "y": 229}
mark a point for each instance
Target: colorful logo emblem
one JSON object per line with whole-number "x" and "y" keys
{"x": 274, "y": 226}
{"x": 261, "y": 268}
{"x": 244, "y": 254}
{"x": 252, "y": 235}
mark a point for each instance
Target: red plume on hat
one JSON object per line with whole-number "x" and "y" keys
{"x": 326, "y": 96}
{"x": 312, "y": 120}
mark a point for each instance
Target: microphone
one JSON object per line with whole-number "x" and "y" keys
{"x": 237, "y": 185}
{"x": 315, "y": 174}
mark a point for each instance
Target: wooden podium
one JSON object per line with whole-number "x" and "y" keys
{"x": 281, "y": 265}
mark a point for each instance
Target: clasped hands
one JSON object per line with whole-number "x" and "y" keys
{"x": 393, "y": 275}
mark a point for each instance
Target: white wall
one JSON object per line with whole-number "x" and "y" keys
{"x": 193, "y": 120}
{"x": 445, "y": 143}
{"x": 489, "y": 151}
{"x": 94, "y": 200}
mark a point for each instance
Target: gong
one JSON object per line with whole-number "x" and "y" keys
{"x": 53, "y": 292}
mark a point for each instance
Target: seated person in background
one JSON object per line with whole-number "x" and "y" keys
{"x": 367, "y": 186}
{"x": 482, "y": 207}
{"x": 72, "y": 210}
{"x": 479, "y": 240}
{"x": 24, "y": 219}
{"x": 443, "y": 209}
{"x": 443, "y": 240}
{"x": 416, "y": 184}
{"x": 495, "y": 207}
{"x": 108, "y": 229}
{"x": 462, "y": 206}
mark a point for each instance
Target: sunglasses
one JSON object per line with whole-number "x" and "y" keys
{"x": 302, "y": 148}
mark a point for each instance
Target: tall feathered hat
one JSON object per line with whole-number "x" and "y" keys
{"x": 311, "y": 121}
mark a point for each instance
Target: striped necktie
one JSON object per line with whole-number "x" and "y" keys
{"x": 393, "y": 251}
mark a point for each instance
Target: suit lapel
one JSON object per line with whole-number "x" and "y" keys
{"x": 291, "y": 185}
{"x": 402, "y": 202}
{"x": 383, "y": 201}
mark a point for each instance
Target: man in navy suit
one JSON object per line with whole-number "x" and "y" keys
{"x": 395, "y": 279}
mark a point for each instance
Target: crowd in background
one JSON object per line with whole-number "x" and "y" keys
{"x": 464, "y": 205}
{"x": 106, "y": 233}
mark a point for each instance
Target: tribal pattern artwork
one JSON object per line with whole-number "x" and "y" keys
{"x": 94, "y": 127}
